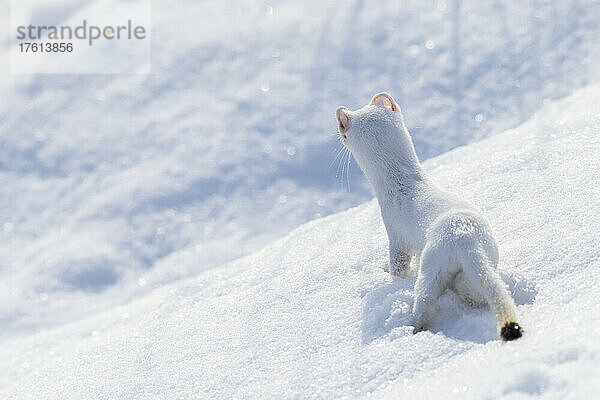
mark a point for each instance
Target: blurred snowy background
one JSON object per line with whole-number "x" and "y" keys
{"x": 110, "y": 182}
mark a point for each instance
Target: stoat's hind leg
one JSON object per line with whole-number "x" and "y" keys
{"x": 466, "y": 292}
{"x": 435, "y": 276}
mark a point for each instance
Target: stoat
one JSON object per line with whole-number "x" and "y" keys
{"x": 452, "y": 241}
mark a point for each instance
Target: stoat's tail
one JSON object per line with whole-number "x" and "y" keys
{"x": 511, "y": 331}
{"x": 484, "y": 279}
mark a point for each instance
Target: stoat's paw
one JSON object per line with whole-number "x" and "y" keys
{"x": 386, "y": 266}
{"x": 402, "y": 272}
{"x": 419, "y": 324}
{"x": 401, "y": 269}
{"x": 418, "y": 329}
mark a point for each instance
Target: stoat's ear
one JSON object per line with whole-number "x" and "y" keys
{"x": 385, "y": 100}
{"x": 343, "y": 118}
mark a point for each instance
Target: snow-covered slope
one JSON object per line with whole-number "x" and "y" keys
{"x": 227, "y": 145}
{"x": 314, "y": 316}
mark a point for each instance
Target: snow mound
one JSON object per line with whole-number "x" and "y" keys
{"x": 227, "y": 145}
{"x": 314, "y": 315}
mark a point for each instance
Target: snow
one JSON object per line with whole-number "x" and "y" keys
{"x": 314, "y": 315}
{"x": 133, "y": 206}
{"x": 228, "y": 144}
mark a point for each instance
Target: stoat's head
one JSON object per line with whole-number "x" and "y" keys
{"x": 376, "y": 133}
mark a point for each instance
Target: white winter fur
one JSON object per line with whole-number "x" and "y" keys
{"x": 447, "y": 236}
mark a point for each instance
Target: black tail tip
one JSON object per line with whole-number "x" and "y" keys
{"x": 511, "y": 331}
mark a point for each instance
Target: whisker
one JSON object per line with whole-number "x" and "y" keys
{"x": 343, "y": 164}
{"x": 337, "y": 155}
{"x": 337, "y": 174}
{"x": 348, "y": 171}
